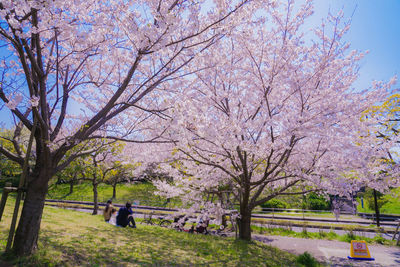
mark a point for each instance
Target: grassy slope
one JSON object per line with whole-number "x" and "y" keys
{"x": 70, "y": 238}
{"x": 142, "y": 194}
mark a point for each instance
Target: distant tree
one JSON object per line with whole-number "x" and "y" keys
{"x": 386, "y": 120}
{"x": 9, "y": 168}
{"x": 387, "y": 115}
{"x": 68, "y": 176}
{"x": 120, "y": 172}
{"x": 99, "y": 166}
{"x": 72, "y": 173}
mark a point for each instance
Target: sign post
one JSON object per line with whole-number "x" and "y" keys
{"x": 359, "y": 251}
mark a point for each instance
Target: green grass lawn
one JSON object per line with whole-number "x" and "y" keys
{"x": 71, "y": 238}
{"x": 141, "y": 193}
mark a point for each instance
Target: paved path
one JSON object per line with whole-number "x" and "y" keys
{"x": 333, "y": 252}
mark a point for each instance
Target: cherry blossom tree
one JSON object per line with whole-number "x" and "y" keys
{"x": 82, "y": 70}
{"x": 274, "y": 113}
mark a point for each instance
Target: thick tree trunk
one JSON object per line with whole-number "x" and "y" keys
{"x": 377, "y": 213}
{"x": 25, "y": 242}
{"x": 245, "y": 211}
{"x": 244, "y": 225}
{"x": 95, "y": 201}
{"x": 114, "y": 196}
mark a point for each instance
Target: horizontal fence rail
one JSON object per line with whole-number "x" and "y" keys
{"x": 254, "y": 215}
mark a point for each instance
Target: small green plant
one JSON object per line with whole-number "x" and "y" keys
{"x": 332, "y": 235}
{"x": 322, "y": 234}
{"x": 379, "y": 239}
{"x": 304, "y": 232}
{"x": 349, "y": 233}
{"x": 351, "y": 236}
{"x": 307, "y": 260}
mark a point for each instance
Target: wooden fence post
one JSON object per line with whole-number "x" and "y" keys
{"x": 21, "y": 186}
{"x": 4, "y": 198}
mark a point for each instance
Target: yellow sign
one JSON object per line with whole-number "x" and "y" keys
{"x": 359, "y": 251}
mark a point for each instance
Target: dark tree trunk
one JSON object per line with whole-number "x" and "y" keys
{"x": 114, "y": 196}
{"x": 26, "y": 237}
{"x": 95, "y": 201}
{"x": 71, "y": 187}
{"x": 377, "y": 214}
{"x": 244, "y": 225}
{"x": 245, "y": 217}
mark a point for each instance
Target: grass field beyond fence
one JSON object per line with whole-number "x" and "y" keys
{"x": 141, "y": 193}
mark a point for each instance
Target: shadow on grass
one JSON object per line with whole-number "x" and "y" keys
{"x": 107, "y": 245}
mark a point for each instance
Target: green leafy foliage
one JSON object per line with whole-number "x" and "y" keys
{"x": 13, "y": 180}
{"x": 275, "y": 203}
{"x": 317, "y": 202}
{"x": 306, "y": 259}
{"x": 311, "y": 201}
{"x": 388, "y": 203}
{"x": 369, "y": 198}
{"x": 8, "y": 168}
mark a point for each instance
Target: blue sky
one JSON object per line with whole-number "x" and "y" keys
{"x": 375, "y": 27}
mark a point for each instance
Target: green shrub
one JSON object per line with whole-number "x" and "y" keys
{"x": 13, "y": 180}
{"x": 317, "y": 202}
{"x": 307, "y": 260}
{"x": 275, "y": 203}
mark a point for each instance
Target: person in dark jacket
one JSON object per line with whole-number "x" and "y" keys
{"x": 124, "y": 217}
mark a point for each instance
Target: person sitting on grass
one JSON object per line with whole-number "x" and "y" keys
{"x": 124, "y": 217}
{"x": 201, "y": 227}
{"x": 108, "y": 211}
